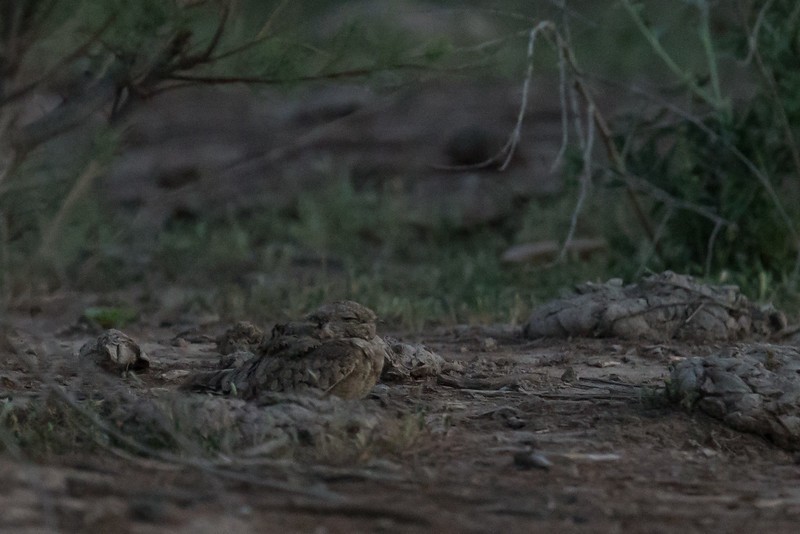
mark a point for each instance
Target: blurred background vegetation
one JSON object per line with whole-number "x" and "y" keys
{"x": 694, "y": 168}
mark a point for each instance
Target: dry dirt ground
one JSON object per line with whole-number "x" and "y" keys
{"x": 545, "y": 436}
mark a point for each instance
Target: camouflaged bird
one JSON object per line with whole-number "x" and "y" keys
{"x": 115, "y": 351}
{"x": 333, "y": 350}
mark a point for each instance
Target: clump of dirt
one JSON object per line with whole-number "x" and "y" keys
{"x": 406, "y": 361}
{"x": 660, "y": 307}
{"x": 751, "y": 388}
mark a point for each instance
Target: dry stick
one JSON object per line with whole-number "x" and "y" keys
{"x": 752, "y": 36}
{"x": 662, "y": 196}
{"x": 490, "y": 42}
{"x": 586, "y": 180}
{"x": 747, "y": 162}
{"x": 710, "y": 247}
{"x": 562, "y": 98}
{"x": 272, "y": 16}
{"x": 716, "y": 104}
{"x": 513, "y": 140}
{"x": 659, "y": 50}
{"x": 261, "y": 36}
{"x": 711, "y": 58}
{"x": 587, "y": 143}
{"x": 660, "y": 231}
{"x": 597, "y": 119}
{"x": 349, "y": 73}
{"x": 672, "y": 203}
{"x": 616, "y": 158}
{"x": 79, "y": 51}
{"x": 206, "y": 55}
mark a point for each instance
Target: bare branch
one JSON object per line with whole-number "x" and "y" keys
{"x": 66, "y": 60}
{"x": 586, "y": 181}
{"x": 513, "y": 140}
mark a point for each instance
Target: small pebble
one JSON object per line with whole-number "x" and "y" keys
{"x": 531, "y": 460}
{"x": 569, "y": 375}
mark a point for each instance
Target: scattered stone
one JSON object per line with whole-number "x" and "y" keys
{"x": 753, "y": 389}
{"x": 660, "y": 307}
{"x": 569, "y": 375}
{"x": 532, "y": 460}
{"x": 115, "y": 352}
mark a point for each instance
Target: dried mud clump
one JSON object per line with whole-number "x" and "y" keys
{"x": 753, "y": 389}
{"x": 334, "y": 350}
{"x": 115, "y": 351}
{"x": 660, "y": 307}
{"x": 407, "y": 361}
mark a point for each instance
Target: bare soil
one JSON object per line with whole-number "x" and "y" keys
{"x": 545, "y": 436}
{"x": 530, "y": 436}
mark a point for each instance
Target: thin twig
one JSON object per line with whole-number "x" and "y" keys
{"x": 778, "y": 103}
{"x": 562, "y": 98}
{"x": 513, "y": 140}
{"x": 659, "y": 50}
{"x": 586, "y": 182}
{"x": 616, "y": 160}
{"x": 215, "y": 39}
{"x": 264, "y": 31}
{"x": 66, "y": 60}
{"x": 660, "y": 231}
{"x": 752, "y": 35}
{"x": 718, "y": 225}
{"x": 255, "y": 80}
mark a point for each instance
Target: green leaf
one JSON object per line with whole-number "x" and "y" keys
{"x": 110, "y": 316}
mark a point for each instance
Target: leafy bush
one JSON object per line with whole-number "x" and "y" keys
{"x": 726, "y": 170}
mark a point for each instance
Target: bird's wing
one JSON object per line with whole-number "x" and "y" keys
{"x": 290, "y": 346}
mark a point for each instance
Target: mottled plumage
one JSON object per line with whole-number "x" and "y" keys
{"x": 332, "y": 350}
{"x": 243, "y": 336}
{"x": 115, "y": 351}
